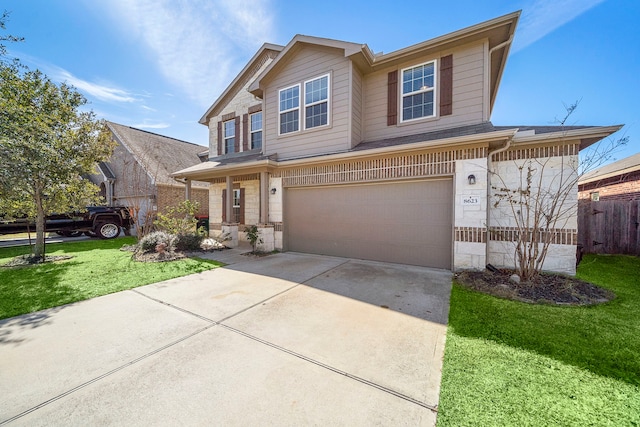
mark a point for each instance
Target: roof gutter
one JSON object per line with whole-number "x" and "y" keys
{"x": 501, "y": 45}
{"x": 397, "y": 149}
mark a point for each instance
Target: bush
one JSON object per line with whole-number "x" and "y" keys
{"x": 253, "y": 235}
{"x": 179, "y": 219}
{"x": 149, "y": 242}
{"x": 189, "y": 242}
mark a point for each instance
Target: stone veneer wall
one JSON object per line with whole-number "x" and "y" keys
{"x": 561, "y": 256}
{"x": 470, "y": 215}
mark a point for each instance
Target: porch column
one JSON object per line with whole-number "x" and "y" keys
{"x": 187, "y": 189}
{"x": 264, "y": 197}
{"x": 229, "y": 200}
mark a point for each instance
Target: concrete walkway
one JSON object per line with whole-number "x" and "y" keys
{"x": 287, "y": 339}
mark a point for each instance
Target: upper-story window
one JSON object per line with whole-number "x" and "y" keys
{"x": 256, "y": 130}
{"x": 289, "y": 109}
{"x": 418, "y": 91}
{"x": 229, "y": 129}
{"x": 316, "y": 102}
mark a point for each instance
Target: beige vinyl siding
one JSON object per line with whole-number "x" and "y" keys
{"x": 356, "y": 107}
{"x": 468, "y": 96}
{"x": 309, "y": 63}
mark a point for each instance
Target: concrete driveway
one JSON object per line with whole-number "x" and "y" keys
{"x": 288, "y": 339}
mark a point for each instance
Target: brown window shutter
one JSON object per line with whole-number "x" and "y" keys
{"x": 224, "y": 205}
{"x": 446, "y": 85}
{"x": 220, "y": 142}
{"x": 245, "y": 132}
{"x": 236, "y": 148}
{"x": 392, "y": 98}
{"x": 242, "y": 206}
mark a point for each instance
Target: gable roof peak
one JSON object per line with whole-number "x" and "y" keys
{"x": 240, "y": 79}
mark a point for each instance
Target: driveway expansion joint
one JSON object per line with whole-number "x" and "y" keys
{"x": 175, "y": 307}
{"x": 432, "y": 408}
{"x": 105, "y": 375}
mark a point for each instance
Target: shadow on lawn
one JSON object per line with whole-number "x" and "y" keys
{"x": 38, "y": 287}
{"x": 602, "y": 339}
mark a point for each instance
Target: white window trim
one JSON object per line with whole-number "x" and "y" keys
{"x": 225, "y": 137}
{"x": 280, "y": 112}
{"x": 328, "y": 101}
{"x": 251, "y": 132}
{"x": 435, "y": 92}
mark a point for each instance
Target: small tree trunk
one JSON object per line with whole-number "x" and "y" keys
{"x": 39, "y": 248}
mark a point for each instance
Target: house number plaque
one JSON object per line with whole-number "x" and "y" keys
{"x": 470, "y": 200}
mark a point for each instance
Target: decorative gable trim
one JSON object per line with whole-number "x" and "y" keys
{"x": 427, "y": 164}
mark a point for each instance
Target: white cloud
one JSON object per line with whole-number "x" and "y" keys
{"x": 98, "y": 91}
{"x": 198, "y": 45}
{"x": 147, "y": 125}
{"x": 544, "y": 16}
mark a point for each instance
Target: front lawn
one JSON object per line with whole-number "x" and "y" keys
{"x": 98, "y": 267}
{"x": 511, "y": 363}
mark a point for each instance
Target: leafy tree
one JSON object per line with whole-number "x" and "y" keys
{"x": 6, "y": 38}
{"x": 47, "y": 143}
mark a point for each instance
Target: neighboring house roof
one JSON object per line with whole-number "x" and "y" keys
{"x": 159, "y": 155}
{"x": 621, "y": 167}
{"x": 498, "y": 32}
{"x": 105, "y": 169}
{"x": 241, "y": 79}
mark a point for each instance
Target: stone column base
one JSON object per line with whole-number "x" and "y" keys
{"x": 232, "y": 230}
{"x": 267, "y": 235}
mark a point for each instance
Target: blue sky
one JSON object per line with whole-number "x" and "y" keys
{"x": 159, "y": 64}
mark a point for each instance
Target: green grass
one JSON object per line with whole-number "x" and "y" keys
{"x": 514, "y": 364}
{"x": 97, "y": 268}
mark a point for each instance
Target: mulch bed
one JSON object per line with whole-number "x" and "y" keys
{"x": 23, "y": 260}
{"x": 543, "y": 289}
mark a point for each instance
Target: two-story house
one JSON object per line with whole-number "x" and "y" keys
{"x": 332, "y": 149}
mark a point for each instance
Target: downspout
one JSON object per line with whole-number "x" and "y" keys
{"x": 504, "y": 148}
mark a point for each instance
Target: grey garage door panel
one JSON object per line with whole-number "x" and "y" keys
{"x": 403, "y": 222}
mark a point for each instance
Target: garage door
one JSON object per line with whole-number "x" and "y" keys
{"x": 401, "y": 222}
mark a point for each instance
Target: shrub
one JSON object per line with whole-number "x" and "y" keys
{"x": 179, "y": 219}
{"x": 189, "y": 242}
{"x": 253, "y": 236}
{"x": 149, "y": 242}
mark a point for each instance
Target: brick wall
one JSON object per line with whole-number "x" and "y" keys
{"x": 172, "y": 196}
{"x": 621, "y": 187}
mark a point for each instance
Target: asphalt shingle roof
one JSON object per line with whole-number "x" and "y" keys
{"x": 159, "y": 155}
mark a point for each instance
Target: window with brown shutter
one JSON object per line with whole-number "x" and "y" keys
{"x": 446, "y": 85}
{"x": 237, "y": 210}
{"x": 237, "y": 141}
{"x": 392, "y": 98}
{"x": 245, "y": 132}
{"x": 219, "y": 138}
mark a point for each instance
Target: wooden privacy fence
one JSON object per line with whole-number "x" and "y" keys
{"x": 609, "y": 226}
